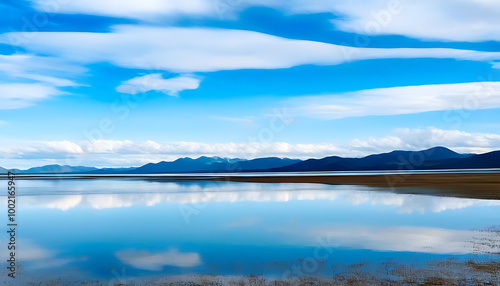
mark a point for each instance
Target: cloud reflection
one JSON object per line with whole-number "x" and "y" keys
{"x": 414, "y": 203}
{"x": 146, "y": 260}
{"x": 199, "y": 193}
{"x": 36, "y": 256}
{"x": 406, "y": 238}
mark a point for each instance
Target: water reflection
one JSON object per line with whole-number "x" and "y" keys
{"x": 153, "y": 193}
{"x": 86, "y": 229}
{"x": 404, "y": 239}
{"x": 143, "y": 259}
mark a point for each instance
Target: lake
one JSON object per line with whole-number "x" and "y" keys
{"x": 122, "y": 230}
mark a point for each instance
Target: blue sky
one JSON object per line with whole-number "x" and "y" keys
{"x": 123, "y": 83}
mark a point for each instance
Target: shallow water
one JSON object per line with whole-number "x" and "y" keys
{"x": 121, "y": 229}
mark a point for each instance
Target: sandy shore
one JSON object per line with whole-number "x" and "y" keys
{"x": 478, "y": 186}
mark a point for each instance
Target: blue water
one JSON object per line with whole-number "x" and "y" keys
{"x": 107, "y": 228}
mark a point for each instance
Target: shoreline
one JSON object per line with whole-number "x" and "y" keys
{"x": 437, "y": 272}
{"x": 475, "y": 186}
{"x": 462, "y": 185}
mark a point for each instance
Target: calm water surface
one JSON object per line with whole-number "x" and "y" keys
{"x": 125, "y": 229}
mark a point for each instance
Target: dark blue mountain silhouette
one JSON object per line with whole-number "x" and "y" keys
{"x": 395, "y": 160}
{"x": 430, "y": 159}
{"x": 487, "y": 160}
{"x": 213, "y": 164}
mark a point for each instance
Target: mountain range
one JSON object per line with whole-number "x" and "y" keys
{"x": 212, "y": 164}
{"x": 434, "y": 158}
{"x": 431, "y": 159}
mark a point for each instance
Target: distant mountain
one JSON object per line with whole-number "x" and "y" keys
{"x": 481, "y": 161}
{"x": 395, "y": 160}
{"x": 55, "y": 169}
{"x": 213, "y": 164}
{"x": 430, "y": 159}
{"x": 58, "y": 169}
{"x": 255, "y": 164}
{"x": 111, "y": 170}
{"x": 181, "y": 165}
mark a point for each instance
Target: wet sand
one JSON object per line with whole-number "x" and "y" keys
{"x": 477, "y": 186}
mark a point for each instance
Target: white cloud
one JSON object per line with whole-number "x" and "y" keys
{"x": 29, "y": 79}
{"x": 156, "y": 82}
{"x": 466, "y": 20}
{"x": 248, "y": 121}
{"x": 19, "y": 65}
{"x": 205, "y": 50}
{"x": 400, "y": 100}
{"x": 142, "y": 259}
{"x": 26, "y": 68}
{"x": 130, "y": 153}
{"x": 418, "y": 139}
{"x": 187, "y": 50}
{"x": 139, "y": 153}
{"x": 217, "y": 149}
{"x": 21, "y": 95}
{"x": 40, "y": 149}
{"x": 145, "y": 10}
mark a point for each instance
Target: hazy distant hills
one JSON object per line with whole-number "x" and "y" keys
{"x": 52, "y": 169}
{"x": 430, "y": 159}
{"x": 58, "y": 169}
